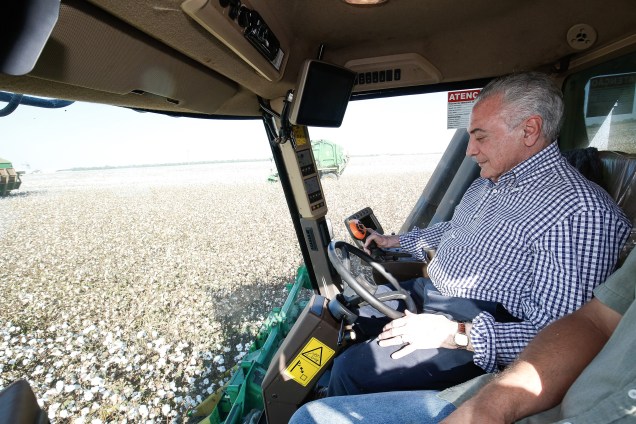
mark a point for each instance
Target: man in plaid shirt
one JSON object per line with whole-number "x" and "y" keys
{"x": 531, "y": 233}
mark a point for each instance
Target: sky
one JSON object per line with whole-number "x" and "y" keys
{"x": 91, "y": 135}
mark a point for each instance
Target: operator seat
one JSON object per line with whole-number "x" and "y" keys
{"x": 619, "y": 178}
{"x": 18, "y": 405}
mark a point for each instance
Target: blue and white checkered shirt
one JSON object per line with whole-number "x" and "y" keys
{"x": 538, "y": 241}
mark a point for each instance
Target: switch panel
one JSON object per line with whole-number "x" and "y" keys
{"x": 239, "y": 26}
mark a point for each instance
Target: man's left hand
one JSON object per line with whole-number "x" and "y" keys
{"x": 418, "y": 331}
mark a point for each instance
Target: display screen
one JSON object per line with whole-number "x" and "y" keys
{"x": 311, "y": 185}
{"x": 368, "y": 222}
{"x": 304, "y": 158}
{"x": 322, "y": 95}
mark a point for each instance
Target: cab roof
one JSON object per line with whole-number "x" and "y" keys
{"x": 192, "y": 57}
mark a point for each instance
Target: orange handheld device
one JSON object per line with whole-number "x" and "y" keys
{"x": 358, "y": 230}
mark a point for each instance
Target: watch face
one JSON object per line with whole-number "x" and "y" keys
{"x": 461, "y": 339}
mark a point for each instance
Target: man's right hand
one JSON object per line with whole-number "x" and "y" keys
{"x": 380, "y": 240}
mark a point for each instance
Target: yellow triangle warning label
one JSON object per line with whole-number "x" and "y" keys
{"x": 311, "y": 358}
{"x": 314, "y": 355}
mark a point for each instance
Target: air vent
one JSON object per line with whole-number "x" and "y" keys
{"x": 375, "y": 77}
{"x": 581, "y": 36}
{"x": 311, "y": 239}
{"x": 393, "y": 71}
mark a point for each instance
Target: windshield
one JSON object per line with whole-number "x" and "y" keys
{"x": 141, "y": 252}
{"x": 393, "y": 147}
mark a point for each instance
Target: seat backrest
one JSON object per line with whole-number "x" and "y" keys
{"x": 18, "y": 405}
{"x": 619, "y": 178}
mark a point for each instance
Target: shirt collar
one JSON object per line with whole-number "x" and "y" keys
{"x": 532, "y": 167}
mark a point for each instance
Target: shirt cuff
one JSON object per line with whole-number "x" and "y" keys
{"x": 409, "y": 242}
{"x": 482, "y": 337}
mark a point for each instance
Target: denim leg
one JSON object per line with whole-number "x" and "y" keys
{"x": 413, "y": 287}
{"x": 370, "y": 321}
{"x": 368, "y": 368}
{"x": 422, "y": 407}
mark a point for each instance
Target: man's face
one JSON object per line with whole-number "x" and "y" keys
{"x": 496, "y": 148}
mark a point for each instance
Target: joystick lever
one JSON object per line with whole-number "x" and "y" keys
{"x": 360, "y": 232}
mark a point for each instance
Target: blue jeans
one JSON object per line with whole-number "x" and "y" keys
{"x": 422, "y": 407}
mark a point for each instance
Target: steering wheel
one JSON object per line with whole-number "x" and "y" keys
{"x": 343, "y": 267}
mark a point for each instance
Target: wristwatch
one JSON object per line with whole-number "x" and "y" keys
{"x": 461, "y": 338}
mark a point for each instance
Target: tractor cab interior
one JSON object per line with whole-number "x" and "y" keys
{"x": 298, "y": 66}
{"x": 337, "y": 326}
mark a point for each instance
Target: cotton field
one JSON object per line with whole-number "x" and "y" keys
{"x": 128, "y": 295}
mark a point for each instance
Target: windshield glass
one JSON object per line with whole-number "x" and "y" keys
{"x": 393, "y": 146}
{"x": 142, "y": 252}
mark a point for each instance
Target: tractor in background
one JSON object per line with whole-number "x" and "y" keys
{"x": 330, "y": 157}
{"x": 9, "y": 178}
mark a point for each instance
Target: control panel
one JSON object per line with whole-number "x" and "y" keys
{"x": 244, "y": 30}
{"x": 303, "y": 174}
{"x": 260, "y": 35}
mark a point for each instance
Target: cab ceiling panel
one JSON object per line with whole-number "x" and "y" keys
{"x": 215, "y": 44}
{"x": 90, "y": 49}
{"x": 442, "y": 42}
{"x": 191, "y": 55}
{"x": 430, "y": 41}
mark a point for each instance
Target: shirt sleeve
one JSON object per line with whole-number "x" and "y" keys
{"x": 418, "y": 240}
{"x": 618, "y": 291}
{"x": 570, "y": 260}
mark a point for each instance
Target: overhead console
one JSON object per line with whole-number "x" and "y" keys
{"x": 151, "y": 74}
{"x": 257, "y": 39}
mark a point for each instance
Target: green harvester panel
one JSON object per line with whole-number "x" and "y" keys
{"x": 330, "y": 157}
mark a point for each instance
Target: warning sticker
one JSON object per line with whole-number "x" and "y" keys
{"x": 299, "y": 135}
{"x": 460, "y": 103}
{"x": 309, "y": 361}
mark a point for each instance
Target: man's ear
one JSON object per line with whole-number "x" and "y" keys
{"x": 532, "y": 130}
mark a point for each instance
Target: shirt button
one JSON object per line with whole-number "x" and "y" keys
{"x": 495, "y": 191}
{"x": 632, "y": 393}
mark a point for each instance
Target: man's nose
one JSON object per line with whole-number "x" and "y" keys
{"x": 471, "y": 149}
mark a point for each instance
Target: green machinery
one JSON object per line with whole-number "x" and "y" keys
{"x": 241, "y": 399}
{"x": 9, "y": 178}
{"x": 330, "y": 158}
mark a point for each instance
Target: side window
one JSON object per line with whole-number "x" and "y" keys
{"x": 610, "y": 112}
{"x": 600, "y": 107}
